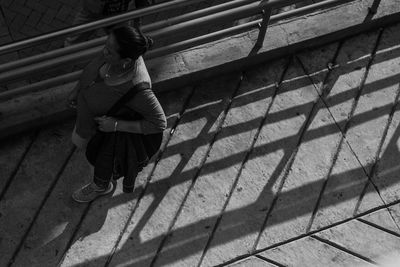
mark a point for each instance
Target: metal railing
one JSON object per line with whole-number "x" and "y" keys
{"x": 223, "y": 13}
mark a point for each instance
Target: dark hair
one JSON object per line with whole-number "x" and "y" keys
{"x": 131, "y": 41}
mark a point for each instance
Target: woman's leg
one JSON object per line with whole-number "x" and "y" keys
{"x": 78, "y": 141}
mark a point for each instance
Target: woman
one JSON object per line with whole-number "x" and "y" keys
{"x": 103, "y": 82}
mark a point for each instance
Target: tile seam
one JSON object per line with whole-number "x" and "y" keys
{"x": 322, "y": 95}
{"x": 43, "y": 202}
{"x": 20, "y": 161}
{"x": 270, "y": 261}
{"x": 242, "y": 165}
{"x": 150, "y": 176}
{"x": 378, "y": 227}
{"x": 198, "y": 171}
{"x": 343, "y": 249}
{"x": 288, "y": 166}
{"x": 309, "y": 233}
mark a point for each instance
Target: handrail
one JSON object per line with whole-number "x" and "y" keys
{"x": 239, "y": 12}
{"x": 195, "y": 14}
{"x": 99, "y": 41}
{"x": 118, "y": 19}
{"x": 62, "y": 51}
{"x": 96, "y": 24}
{"x": 170, "y": 48}
{"x": 80, "y": 54}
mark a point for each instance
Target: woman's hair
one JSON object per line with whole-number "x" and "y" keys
{"x": 131, "y": 41}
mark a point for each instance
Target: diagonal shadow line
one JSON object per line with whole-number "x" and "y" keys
{"x": 305, "y": 127}
{"x": 294, "y": 211}
{"x": 372, "y": 10}
{"x": 347, "y": 193}
{"x": 231, "y": 232}
{"x": 178, "y": 170}
{"x": 224, "y": 113}
{"x": 374, "y": 170}
{"x": 288, "y": 152}
{"x": 338, "y": 70}
{"x": 259, "y": 151}
{"x": 293, "y": 112}
{"x": 324, "y": 95}
{"x": 245, "y": 158}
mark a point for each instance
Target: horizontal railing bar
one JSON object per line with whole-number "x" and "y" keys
{"x": 29, "y": 70}
{"x": 196, "y": 14}
{"x": 219, "y": 17}
{"x": 101, "y": 40}
{"x": 96, "y": 24}
{"x": 52, "y": 54}
{"x": 223, "y": 16}
{"x": 169, "y": 49}
{"x": 12, "y": 75}
{"x": 172, "y": 48}
{"x": 307, "y": 9}
{"x": 70, "y": 77}
{"x": 39, "y": 86}
{"x": 118, "y": 19}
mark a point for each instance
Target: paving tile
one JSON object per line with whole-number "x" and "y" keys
{"x": 372, "y": 111}
{"x": 343, "y": 190}
{"x": 9, "y": 16}
{"x": 58, "y": 218}
{"x": 347, "y": 179}
{"x": 318, "y": 69}
{"x": 251, "y": 261}
{"x": 34, "y": 18}
{"x": 386, "y": 78}
{"x": 241, "y": 220}
{"x": 11, "y": 152}
{"x": 363, "y": 239}
{"x": 110, "y": 215}
{"x": 49, "y": 16}
{"x": 295, "y": 204}
{"x": 18, "y": 21}
{"x": 383, "y": 219}
{"x": 28, "y": 188}
{"x": 395, "y": 211}
{"x": 174, "y": 175}
{"x": 343, "y": 82}
{"x": 19, "y": 7}
{"x": 217, "y": 177}
{"x": 311, "y": 252}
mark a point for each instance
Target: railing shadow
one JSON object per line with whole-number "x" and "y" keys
{"x": 243, "y": 220}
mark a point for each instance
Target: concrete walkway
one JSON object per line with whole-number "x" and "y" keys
{"x": 290, "y": 163}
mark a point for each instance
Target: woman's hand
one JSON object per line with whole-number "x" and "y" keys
{"x": 106, "y": 124}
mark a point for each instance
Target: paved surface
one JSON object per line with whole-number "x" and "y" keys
{"x": 290, "y": 163}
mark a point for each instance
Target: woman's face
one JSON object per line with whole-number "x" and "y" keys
{"x": 110, "y": 50}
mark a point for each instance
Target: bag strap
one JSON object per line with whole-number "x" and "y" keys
{"x": 128, "y": 96}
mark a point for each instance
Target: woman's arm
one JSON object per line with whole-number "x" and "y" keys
{"x": 89, "y": 73}
{"x": 145, "y": 103}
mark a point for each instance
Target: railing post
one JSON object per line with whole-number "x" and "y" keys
{"x": 374, "y": 8}
{"x": 263, "y": 26}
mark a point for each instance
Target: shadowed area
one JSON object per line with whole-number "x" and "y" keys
{"x": 252, "y": 162}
